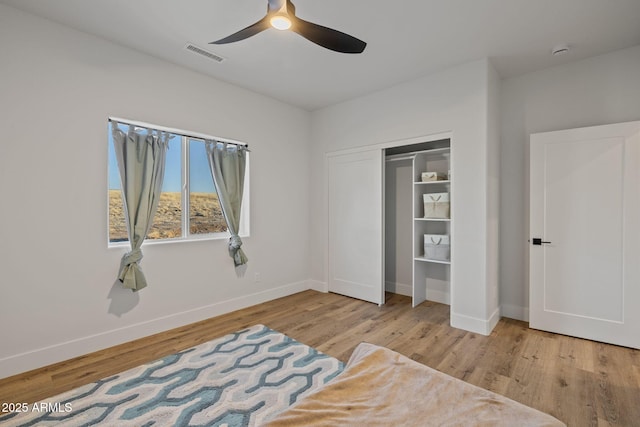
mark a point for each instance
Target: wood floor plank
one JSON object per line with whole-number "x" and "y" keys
{"x": 489, "y": 380}
{"x": 615, "y": 382}
{"x": 581, "y": 382}
{"x": 507, "y": 342}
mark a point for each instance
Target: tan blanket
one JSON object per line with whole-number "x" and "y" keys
{"x": 380, "y": 387}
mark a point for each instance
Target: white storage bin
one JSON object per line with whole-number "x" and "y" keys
{"x": 437, "y": 247}
{"x": 433, "y": 176}
{"x": 436, "y": 205}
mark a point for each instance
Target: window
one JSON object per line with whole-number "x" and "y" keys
{"x": 188, "y": 208}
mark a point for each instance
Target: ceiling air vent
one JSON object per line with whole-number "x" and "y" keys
{"x": 200, "y": 51}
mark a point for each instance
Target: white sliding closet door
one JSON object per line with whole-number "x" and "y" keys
{"x": 356, "y": 237}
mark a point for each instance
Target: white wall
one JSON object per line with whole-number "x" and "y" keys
{"x": 595, "y": 91}
{"x": 398, "y": 240}
{"x": 454, "y": 100}
{"x": 493, "y": 193}
{"x": 57, "y": 88}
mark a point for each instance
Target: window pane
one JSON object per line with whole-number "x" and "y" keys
{"x": 167, "y": 224}
{"x": 205, "y": 215}
{"x": 117, "y": 227}
{"x": 168, "y": 221}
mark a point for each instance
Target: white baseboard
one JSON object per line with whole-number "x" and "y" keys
{"x": 432, "y": 295}
{"x": 398, "y": 288}
{"x": 38, "y": 358}
{"x": 494, "y": 319}
{"x": 319, "y": 286}
{"x": 438, "y": 296}
{"x": 473, "y": 324}
{"x": 515, "y": 312}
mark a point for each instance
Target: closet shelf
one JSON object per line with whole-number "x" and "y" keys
{"x": 435, "y": 261}
{"x": 432, "y": 182}
{"x": 432, "y": 219}
{"x": 435, "y": 152}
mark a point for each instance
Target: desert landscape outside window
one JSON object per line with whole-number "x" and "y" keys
{"x": 186, "y": 168}
{"x": 205, "y": 214}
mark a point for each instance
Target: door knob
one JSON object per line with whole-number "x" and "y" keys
{"x": 538, "y": 241}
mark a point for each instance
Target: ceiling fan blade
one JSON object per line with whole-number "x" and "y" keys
{"x": 327, "y": 37}
{"x": 251, "y": 30}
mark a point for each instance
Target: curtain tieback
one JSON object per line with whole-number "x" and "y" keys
{"x": 127, "y": 259}
{"x": 132, "y": 257}
{"x": 234, "y": 243}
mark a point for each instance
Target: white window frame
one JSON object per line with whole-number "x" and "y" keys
{"x": 185, "y": 136}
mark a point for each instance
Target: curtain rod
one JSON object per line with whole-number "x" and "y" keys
{"x": 177, "y": 131}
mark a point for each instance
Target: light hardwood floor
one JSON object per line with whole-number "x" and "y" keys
{"x": 583, "y": 383}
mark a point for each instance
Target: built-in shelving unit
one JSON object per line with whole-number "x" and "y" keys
{"x": 431, "y": 277}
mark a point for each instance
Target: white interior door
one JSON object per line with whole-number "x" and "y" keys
{"x": 356, "y": 237}
{"x": 585, "y": 233}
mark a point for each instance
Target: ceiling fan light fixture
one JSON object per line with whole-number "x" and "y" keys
{"x": 280, "y": 22}
{"x": 281, "y": 14}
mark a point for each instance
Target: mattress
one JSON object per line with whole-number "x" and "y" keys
{"x": 380, "y": 387}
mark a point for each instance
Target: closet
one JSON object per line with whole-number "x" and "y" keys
{"x": 418, "y": 225}
{"x": 378, "y": 221}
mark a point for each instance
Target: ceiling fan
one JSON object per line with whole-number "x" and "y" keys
{"x": 281, "y": 14}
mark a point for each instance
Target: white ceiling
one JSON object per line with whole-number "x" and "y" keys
{"x": 406, "y": 39}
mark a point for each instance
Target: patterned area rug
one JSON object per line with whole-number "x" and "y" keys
{"x": 242, "y": 379}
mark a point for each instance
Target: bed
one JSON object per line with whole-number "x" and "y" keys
{"x": 380, "y": 387}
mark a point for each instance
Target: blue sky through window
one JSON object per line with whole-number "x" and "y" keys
{"x": 200, "y": 176}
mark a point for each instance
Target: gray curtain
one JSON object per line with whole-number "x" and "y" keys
{"x": 141, "y": 155}
{"x": 227, "y": 163}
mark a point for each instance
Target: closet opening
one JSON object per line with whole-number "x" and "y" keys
{"x": 417, "y": 221}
